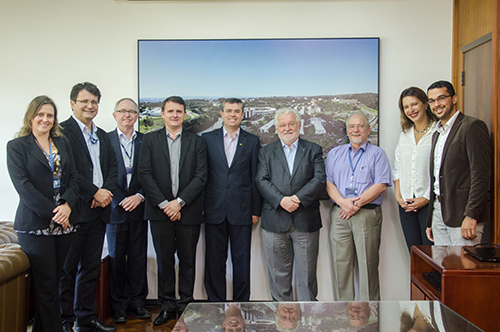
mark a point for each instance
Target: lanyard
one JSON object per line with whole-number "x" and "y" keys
{"x": 354, "y": 168}
{"x": 93, "y": 139}
{"x": 49, "y": 156}
{"x": 129, "y": 156}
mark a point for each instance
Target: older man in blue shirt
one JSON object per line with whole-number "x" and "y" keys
{"x": 357, "y": 173}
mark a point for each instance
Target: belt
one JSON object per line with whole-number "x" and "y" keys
{"x": 367, "y": 206}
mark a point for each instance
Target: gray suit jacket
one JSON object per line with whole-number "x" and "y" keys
{"x": 464, "y": 173}
{"x": 307, "y": 182}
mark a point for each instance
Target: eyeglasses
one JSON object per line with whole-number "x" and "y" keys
{"x": 86, "y": 102}
{"x": 360, "y": 126}
{"x": 439, "y": 99}
{"x": 131, "y": 112}
{"x": 289, "y": 124}
{"x": 233, "y": 111}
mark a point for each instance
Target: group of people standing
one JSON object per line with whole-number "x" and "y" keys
{"x": 442, "y": 169}
{"x": 77, "y": 183}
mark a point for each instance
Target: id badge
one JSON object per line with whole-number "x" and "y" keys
{"x": 351, "y": 192}
{"x": 129, "y": 170}
{"x": 57, "y": 183}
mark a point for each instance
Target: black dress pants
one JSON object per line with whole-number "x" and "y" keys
{"x": 170, "y": 237}
{"x": 47, "y": 254}
{"x": 80, "y": 272}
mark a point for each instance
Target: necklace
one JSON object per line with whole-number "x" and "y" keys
{"x": 425, "y": 129}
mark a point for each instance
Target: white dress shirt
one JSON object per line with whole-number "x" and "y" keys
{"x": 230, "y": 145}
{"x": 94, "y": 151}
{"x": 411, "y": 164}
{"x": 444, "y": 131}
{"x": 127, "y": 148}
{"x": 290, "y": 153}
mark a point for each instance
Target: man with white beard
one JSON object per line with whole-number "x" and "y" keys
{"x": 357, "y": 174}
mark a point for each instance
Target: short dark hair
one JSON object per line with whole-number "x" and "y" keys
{"x": 418, "y": 93}
{"x": 174, "y": 99}
{"x": 90, "y": 87}
{"x": 232, "y": 101}
{"x": 442, "y": 84}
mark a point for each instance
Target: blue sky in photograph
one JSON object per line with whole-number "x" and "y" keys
{"x": 257, "y": 68}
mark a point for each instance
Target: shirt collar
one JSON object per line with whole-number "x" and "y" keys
{"x": 294, "y": 145}
{"x": 448, "y": 125}
{"x": 362, "y": 147}
{"x": 122, "y": 135}
{"x": 226, "y": 133}
{"x": 179, "y": 134}
{"x": 83, "y": 127}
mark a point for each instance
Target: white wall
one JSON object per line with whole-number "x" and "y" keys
{"x": 48, "y": 46}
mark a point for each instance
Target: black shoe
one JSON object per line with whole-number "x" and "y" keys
{"x": 140, "y": 313}
{"x": 164, "y": 317}
{"x": 67, "y": 327}
{"x": 95, "y": 325}
{"x": 120, "y": 317}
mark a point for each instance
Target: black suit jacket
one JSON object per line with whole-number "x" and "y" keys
{"x": 231, "y": 191}
{"x": 71, "y": 130}
{"x": 307, "y": 182}
{"x": 118, "y": 214}
{"x": 464, "y": 172}
{"x": 32, "y": 177}
{"x": 155, "y": 179}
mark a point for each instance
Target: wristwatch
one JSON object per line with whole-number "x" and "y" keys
{"x": 180, "y": 201}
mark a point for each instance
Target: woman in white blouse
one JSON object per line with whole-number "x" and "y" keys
{"x": 411, "y": 164}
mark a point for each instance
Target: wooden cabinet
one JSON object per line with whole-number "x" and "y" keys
{"x": 468, "y": 286}
{"x": 102, "y": 291}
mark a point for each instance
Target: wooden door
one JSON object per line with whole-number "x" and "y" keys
{"x": 476, "y": 79}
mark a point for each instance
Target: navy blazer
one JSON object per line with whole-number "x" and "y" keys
{"x": 231, "y": 191}
{"x": 32, "y": 177}
{"x": 307, "y": 182}
{"x": 122, "y": 191}
{"x": 155, "y": 179}
{"x": 84, "y": 167}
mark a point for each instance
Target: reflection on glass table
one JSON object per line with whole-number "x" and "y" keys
{"x": 383, "y": 316}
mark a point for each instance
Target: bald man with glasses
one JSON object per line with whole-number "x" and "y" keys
{"x": 127, "y": 233}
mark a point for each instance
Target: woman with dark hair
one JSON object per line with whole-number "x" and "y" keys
{"x": 41, "y": 167}
{"x": 411, "y": 164}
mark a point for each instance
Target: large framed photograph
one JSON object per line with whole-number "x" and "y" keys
{"x": 326, "y": 80}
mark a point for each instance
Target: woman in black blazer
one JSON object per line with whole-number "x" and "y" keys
{"x": 41, "y": 167}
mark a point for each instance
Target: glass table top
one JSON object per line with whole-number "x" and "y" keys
{"x": 322, "y": 316}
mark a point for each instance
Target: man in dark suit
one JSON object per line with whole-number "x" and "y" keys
{"x": 232, "y": 203}
{"x": 291, "y": 177}
{"x": 127, "y": 233}
{"x": 96, "y": 165}
{"x": 173, "y": 173}
{"x": 460, "y": 172}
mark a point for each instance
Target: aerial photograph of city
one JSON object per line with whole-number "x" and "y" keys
{"x": 325, "y": 80}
